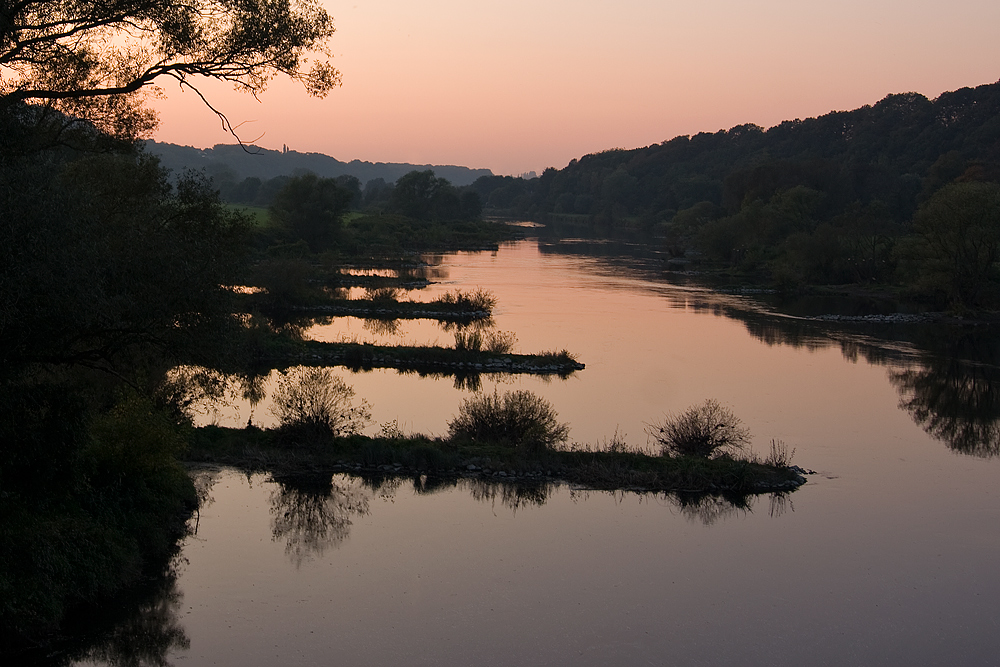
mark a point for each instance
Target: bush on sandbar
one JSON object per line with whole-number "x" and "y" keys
{"x": 319, "y": 402}
{"x": 702, "y": 431}
{"x": 518, "y": 419}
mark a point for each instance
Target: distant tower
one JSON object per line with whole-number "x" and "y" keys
{"x": 284, "y": 148}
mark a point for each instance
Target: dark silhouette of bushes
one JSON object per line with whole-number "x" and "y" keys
{"x": 316, "y": 402}
{"x": 702, "y": 431}
{"x": 518, "y": 419}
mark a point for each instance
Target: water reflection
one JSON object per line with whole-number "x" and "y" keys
{"x": 482, "y": 325}
{"x": 315, "y": 512}
{"x": 379, "y": 327}
{"x": 947, "y": 375}
{"x": 146, "y": 636}
{"x": 312, "y": 513}
{"x": 138, "y": 630}
{"x": 954, "y": 395}
{"x": 709, "y": 508}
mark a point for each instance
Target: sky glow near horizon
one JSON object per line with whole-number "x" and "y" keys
{"x": 517, "y": 86}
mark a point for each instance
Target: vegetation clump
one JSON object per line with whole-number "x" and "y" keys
{"x": 701, "y": 431}
{"x": 316, "y": 401}
{"x": 478, "y": 299}
{"x": 518, "y": 419}
{"x": 495, "y": 342}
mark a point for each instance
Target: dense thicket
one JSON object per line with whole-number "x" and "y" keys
{"x": 417, "y": 195}
{"x": 109, "y": 276}
{"x": 825, "y": 199}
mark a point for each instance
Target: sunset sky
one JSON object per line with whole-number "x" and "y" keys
{"x": 522, "y": 85}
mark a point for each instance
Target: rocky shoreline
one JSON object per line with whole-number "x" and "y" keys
{"x": 395, "y": 313}
{"x": 430, "y": 359}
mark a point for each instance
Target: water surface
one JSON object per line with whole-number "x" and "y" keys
{"x": 886, "y": 556}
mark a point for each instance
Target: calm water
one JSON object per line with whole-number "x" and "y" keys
{"x": 887, "y": 556}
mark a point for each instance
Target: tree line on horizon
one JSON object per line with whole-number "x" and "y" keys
{"x": 419, "y": 195}
{"x": 834, "y": 199}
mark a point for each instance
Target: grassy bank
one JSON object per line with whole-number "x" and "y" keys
{"x": 273, "y": 451}
{"x": 429, "y": 358}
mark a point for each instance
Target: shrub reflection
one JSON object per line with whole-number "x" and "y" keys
{"x": 312, "y": 513}
{"x": 138, "y": 630}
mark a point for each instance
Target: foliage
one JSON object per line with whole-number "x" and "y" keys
{"x": 478, "y": 299}
{"x": 518, "y": 419}
{"x": 469, "y": 341}
{"x": 501, "y": 342}
{"x": 701, "y": 431}
{"x": 958, "y": 244}
{"x": 91, "y": 504}
{"x": 286, "y": 281}
{"x": 92, "y": 59}
{"x": 312, "y": 209}
{"x": 109, "y": 275}
{"x": 423, "y": 196}
{"x": 100, "y": 258}
{"x": 779, "y": 456}
{"x": 317, "y": 401}
{"x": 826, "y": 200}
{"x": 377, "y": 234}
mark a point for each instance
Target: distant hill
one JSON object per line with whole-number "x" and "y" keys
{"x": 233, "y": 162}
{"x": 896, "y": 152}
{"x": 829, "y": 200}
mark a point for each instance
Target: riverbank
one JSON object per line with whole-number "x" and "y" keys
{"x": 283, "y": 352}
{"x": 256, "y": 450}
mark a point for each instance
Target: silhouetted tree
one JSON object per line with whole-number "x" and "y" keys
{"x": 312, "y": 209}
{"x": 958, "y": 243}
{"x": 90, "y": 59}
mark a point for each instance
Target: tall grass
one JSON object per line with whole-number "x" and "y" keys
{"x": 497, "y": 342}
{"x": 478, "y": 300}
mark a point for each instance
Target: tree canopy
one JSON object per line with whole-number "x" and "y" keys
{"x": 92, "y": 59}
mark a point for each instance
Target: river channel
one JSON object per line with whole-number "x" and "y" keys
{"x": 888, "y": 555}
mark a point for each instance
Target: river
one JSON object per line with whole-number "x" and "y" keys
{"x": 885, "y": 556}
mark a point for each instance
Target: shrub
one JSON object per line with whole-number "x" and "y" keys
{"x": 477, "y": 300}
{"x": 518, "y": 419}
{"x": 501, "y": 342}
{"x": 701, "y": 430}
{"x": 318, "y": 400}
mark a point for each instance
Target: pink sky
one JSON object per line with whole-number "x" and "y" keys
{"x": 516, "y": 86}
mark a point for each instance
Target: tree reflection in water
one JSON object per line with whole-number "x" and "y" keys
{"x": 313, "y": 512}
{"x": 138, "y": 630}
{"x": 704, "y": 508}
{"x": 147, "y": 636}
{"x": 953, "y": 394}
{"x": 947, "y": 377}
{"x": 512, "y": 495}
{"x": 710, "y": 508}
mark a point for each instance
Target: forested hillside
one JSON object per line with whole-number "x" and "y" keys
{"x": 827, "y": 199}
{"x": 232, "y": 163}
